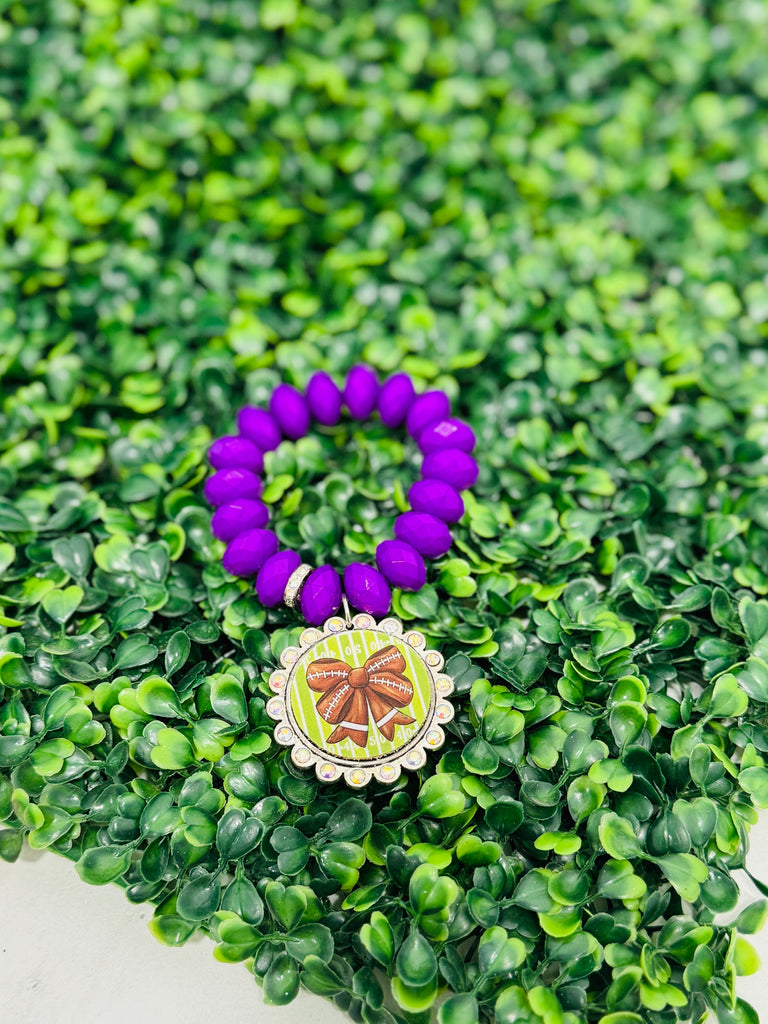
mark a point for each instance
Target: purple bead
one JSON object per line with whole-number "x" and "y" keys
{"x": 324, "y": 399}
{"x": 227, "y": 485}
{"x": 395, "y": 399}
{"x": 428, "y": 407}
{"x": 321, "y": 595}
{"x": 289, "y": 407}
{"x": 236, "y": 453}
{"x": 258, "y": 426}
{"x": 429, "y": 535}
{"x": 452, "y": 466}
{"x": 236, "y": 517}
{"x": 361, "y": 392}
{"x": 273, "y": 576}
{"x": 438, "y": 498}
{"x": 402, "y": 564}
{"x": 367, "y": 589}
{"x": 447, "y": 434}
{"x": 246, "y": 554}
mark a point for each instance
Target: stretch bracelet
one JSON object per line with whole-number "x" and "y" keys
{"x": 357, "y": 697}
{"x": 241, "y": 517}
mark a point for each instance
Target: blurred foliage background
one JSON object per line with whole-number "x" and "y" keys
{"x": 556, "y": 212}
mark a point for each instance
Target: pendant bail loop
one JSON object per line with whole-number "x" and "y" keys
{"x": 347, "y": 613}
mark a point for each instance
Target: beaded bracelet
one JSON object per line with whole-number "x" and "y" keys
{"x": 382, "y": 694}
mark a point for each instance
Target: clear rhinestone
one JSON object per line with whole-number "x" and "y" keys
{"x": 289, "y": 656}
{"x": 415, "y": 759}
{"x": 275, "y": 707}
{"x": 444, "y": 713}
{"x": 277, "y": 681}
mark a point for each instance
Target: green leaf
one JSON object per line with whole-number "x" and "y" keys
{"x": 753, "y": 780}
{"x": 719, "y": 892}
{"x": 133, "y": 652}
{"x": 727, "y": 700}
{"x": 228, "y": 698}
{"x": 74, "y": 554}
{"x": 171, "y": 929}
{"x": 342, "y": 862}
{"x": 11, "y": 845}
{"x": 199, "y": 898}
{"x": 505, "y": 815}
{"x": 177, "y": 652}
{"x": 160, "y": 816}
{"x": 459, "y": 1009}
{"x": 157, "y": 697}
{"x": 742, "y": 1013}
{"x": 320, "y": 978}
{"x": 685, "y": 873}
{"x": 753, "y": 680}
{"x": 532, "y": 892}
{"x": 416, "y": 962}
{"x": 513, "y": 1007}
{"x": 286, "y": 904}
{"x": 292, "y": 848}
{"x": 242, "y": 898}
{"x": 61, "y": 605}
{"x": 745, "y": 958}
{"x": 480, "y": 757}
{"x": 621, "y": 1017}
{"x": 698, "y": 974}
{"x": 584, "y": 796}
{"x": 237, "y": 834}
{"x": 627, "y": 721}
{"x": 752, "y": 918}
{"x": 441, "y": 797}
{"x": 350, "y": 820}
{"x": 473, "y": 851}
{"x": 670, "y": 634}
{"x": 498, "y": 954}
{"x": 430, "y": 893}
{"x": 102, "y": 864}
{"x": 14, "y": 750}
{"x": 613, "y": 634}
{"x": 617, "y": 881}
{"x": 281, "y": 982}
{"x": 310, "y": 940}
{"x": 377, "y": 938}
{"x": 414, "y": 999}
{"x": 173, "y": 752}
{"x": 618, "y": 838}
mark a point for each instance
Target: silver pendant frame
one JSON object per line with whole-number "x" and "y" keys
{"x": 329, "y": 767}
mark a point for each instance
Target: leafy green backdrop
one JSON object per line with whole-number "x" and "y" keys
{"x": 555, "y": 211}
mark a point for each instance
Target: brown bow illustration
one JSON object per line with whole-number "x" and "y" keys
{"x": 348, "y": 693}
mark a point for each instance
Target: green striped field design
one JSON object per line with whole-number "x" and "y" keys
{"x": 354, "y": 647}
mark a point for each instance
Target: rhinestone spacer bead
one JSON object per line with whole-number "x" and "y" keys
{"x": 295, "y": 582}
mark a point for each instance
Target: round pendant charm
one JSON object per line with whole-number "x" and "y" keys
{"x": 360, "y": 699}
